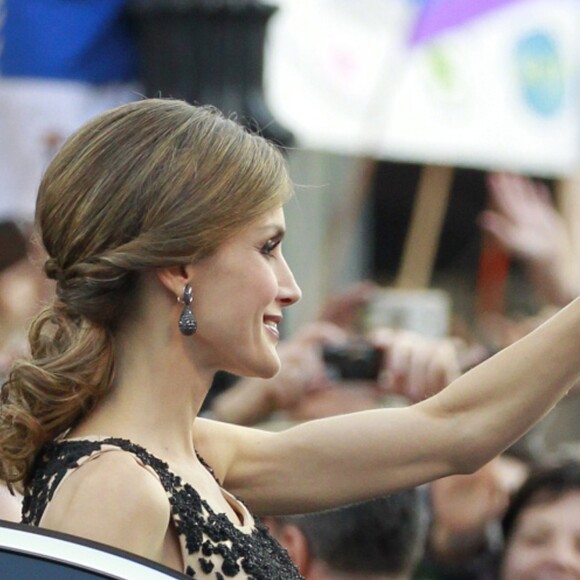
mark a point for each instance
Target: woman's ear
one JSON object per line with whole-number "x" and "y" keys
{"x": 175, "y": 278}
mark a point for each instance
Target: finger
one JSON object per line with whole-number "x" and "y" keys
{"x": 418, "y": 377}
{"x": 410, "y": 367}
{"x": 398, "y": 365}
{"x": 509, "y": 194}
{"x": 382, "y": 338}
{"x": 497, "y": 226}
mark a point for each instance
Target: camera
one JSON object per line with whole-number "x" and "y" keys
{"x": 357, "y": 360}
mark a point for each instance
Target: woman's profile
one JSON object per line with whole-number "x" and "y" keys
{"x": 163, "y": 225}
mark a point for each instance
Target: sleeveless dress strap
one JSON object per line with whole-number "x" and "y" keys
{"x": 62, "y": 458}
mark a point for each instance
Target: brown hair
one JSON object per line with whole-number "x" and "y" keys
{"x": 155, "y": 183}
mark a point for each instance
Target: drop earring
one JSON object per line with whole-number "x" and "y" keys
{"x": 187, "y": 321}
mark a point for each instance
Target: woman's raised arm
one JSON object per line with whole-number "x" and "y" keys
{"x": 342, "y": 459}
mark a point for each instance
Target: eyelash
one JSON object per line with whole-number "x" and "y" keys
{"x": 269, "y": 247}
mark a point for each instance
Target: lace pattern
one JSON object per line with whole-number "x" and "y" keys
{"x": 212, "y": 546}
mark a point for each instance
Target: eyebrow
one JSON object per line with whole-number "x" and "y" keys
{"x": 278, "y": 230}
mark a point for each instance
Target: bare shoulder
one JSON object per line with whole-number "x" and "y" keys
{"x": 114, "y": 500}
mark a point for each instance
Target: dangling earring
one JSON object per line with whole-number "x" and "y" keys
{"x": 187, "y": 321}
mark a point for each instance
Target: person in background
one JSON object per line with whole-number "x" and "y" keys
{"x": 23, "y": 289}
{"x": 535, "y": 535}
{"x": 382, "y": 539}
{"x": 542, "y": 526}
{"x": 465, "y": 536}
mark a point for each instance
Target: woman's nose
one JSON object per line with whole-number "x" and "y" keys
{"x": 289, "y": 292}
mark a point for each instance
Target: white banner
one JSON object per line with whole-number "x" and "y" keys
{"x": 498, "y": 89}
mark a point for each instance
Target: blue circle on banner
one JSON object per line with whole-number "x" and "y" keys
{"x": 540, "y": 74}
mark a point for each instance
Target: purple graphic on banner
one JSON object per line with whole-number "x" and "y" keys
{"x": 437, "y": 16}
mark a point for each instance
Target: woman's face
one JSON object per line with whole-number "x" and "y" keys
{"x": 239, "y": 295}
{"x": 545, "y": 544}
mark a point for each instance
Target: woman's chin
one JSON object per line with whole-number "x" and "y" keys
{"x": 269, "y": 364}
{"x": 269, "y": 372}
{"x": 266, "y": 368}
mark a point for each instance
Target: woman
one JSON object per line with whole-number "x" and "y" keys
{"x": 163, "y": 225}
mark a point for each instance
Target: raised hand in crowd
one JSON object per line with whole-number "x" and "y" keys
{"x": 526, "y": 223}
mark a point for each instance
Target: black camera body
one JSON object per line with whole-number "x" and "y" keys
{"x": 353, "y": 361}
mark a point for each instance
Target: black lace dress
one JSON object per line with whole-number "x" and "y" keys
{"x": 212, "y": 545}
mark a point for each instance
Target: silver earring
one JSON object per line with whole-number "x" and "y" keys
{"x": 187, "y": 321}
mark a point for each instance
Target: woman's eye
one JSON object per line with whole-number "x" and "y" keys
{"x": 269, "y": 247}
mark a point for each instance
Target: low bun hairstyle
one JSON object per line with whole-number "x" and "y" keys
{"x": 156, "y": 183}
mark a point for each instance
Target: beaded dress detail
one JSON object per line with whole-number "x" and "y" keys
{"x": 212, "y": 545}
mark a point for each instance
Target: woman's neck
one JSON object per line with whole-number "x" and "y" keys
{"x": 156, "y": 395}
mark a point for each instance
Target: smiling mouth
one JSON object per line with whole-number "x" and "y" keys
{"x": 272, "y": 327}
